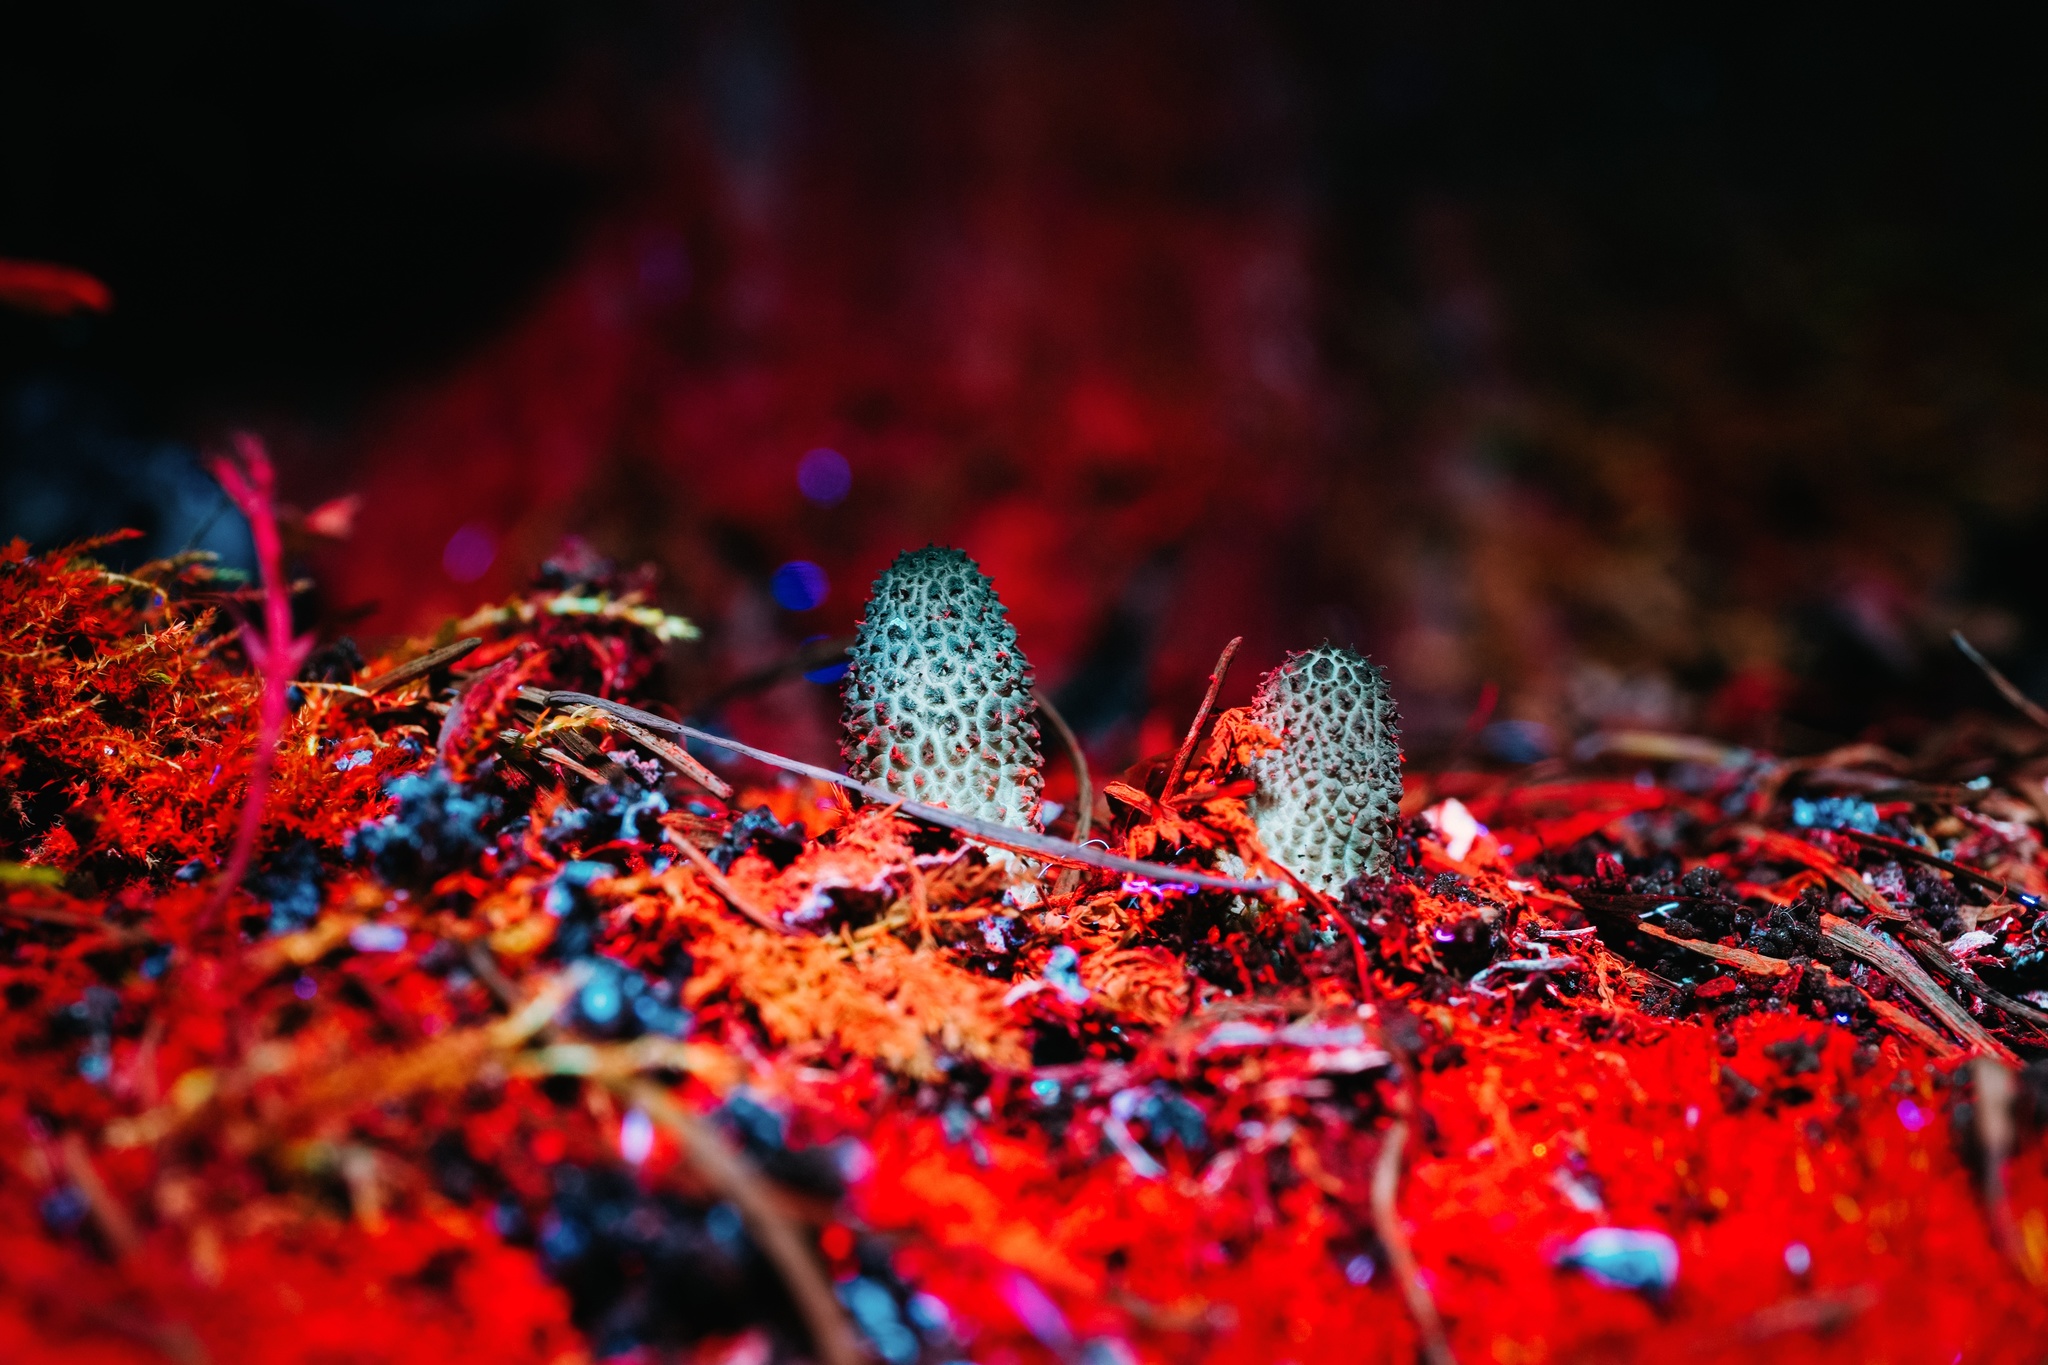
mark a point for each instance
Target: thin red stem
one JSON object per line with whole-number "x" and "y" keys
{"x": 246, "y": 477}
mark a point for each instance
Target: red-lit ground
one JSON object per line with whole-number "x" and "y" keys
{"x": 426, "y": 1088}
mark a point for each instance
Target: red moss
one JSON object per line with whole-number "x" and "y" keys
{"x": 243, "y": 1151}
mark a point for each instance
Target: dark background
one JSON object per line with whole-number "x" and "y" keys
{"x": 1671, "y": 369}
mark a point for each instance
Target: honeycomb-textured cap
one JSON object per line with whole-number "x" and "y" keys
{"x": 1329, "y": 799}
{"x": 938, "y": 696}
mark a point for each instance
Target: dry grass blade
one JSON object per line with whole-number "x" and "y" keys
{"x": 449, "y": 1061}
{"x": 1053, "y": 850}
{"x": 1386, "y": 1221}
{"x": 1084, "y": 791}
{"x": 1187, "y": 745}
{"x": 554, "y": 755}
{"x": 1818, "y": 1313}
{"x": 2006, "y": 687}
{"x": 65, "y": 919}
{"x": 107, "y": 1214}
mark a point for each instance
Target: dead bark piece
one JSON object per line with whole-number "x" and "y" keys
{"x": 1881, "y": 952}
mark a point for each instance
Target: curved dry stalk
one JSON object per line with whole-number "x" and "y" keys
{"x": 1386, "y": 1221}
{"x": 1084, "y": 791}
{"x": 734, "y": 1177}
{"x": 720, "y": 883}
{"x": 1187, "y": 746}
{"x": 1002, "y": 836}
{"x": 2024, "y": 704}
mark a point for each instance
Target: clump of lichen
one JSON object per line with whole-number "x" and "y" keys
{"x": 938, "y": 697}
{"x": 1328, "y": 799}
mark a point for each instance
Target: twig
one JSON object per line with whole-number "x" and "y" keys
{"x": 1882, "y": 953}
{"x": 1084, "y": 793}
{"x": 1895, "y": 1017}
{"x": 1900, "y": 849}
{"x": 1821, "y": 861}
{"x": 1053, "y": 850}
{"x": 247, "y": 479}
{"x": 483, "y": 965}
{"x": 734, "y": 1177}
{"x": 420, "y": 667}
{"x": 346, "y": 689}
{"x": 1187, "y": 746}
{"x": 722, "y": 884}
{"x": 1386, "y": 1221}
{"x": 1940, "y": 960}
{"x": 2006, "y": 688}
{"x": 592, "y": 759}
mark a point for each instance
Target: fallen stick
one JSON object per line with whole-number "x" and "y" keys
{"x": 420, "y": 667}
{"x": 1043, "y": 846}
{"x": 722, "y": 884}
{"x": 679, "y": 758}
{"x": 1902, "y": 1021}
{"x": 1821, "y": 861}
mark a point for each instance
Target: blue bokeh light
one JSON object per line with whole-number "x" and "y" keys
{"x": 798, "y": 585}
{"x": 825, "y": 673}
{"x": 824, "y": 476}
